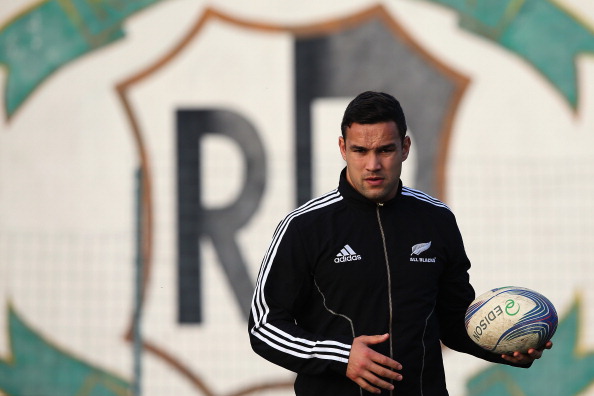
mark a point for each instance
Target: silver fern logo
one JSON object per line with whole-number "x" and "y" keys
{"x": 420, "y": 248}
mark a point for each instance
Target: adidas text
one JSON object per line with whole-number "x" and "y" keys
{"x": 353, "y": 257}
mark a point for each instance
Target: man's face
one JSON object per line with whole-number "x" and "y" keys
{"x": 374, "y": 154}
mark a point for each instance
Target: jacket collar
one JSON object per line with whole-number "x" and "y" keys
{"x": 353, "y": 196}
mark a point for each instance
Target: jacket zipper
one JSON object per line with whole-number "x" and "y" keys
{"x": 379, "y": 221}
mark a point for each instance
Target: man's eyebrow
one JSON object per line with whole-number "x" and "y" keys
{"x": 387, "y": 146}
{"x": 384, "y": 147}
{"x": 356, "y": 147}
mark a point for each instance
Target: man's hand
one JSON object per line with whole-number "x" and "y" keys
{"x": 367, "y": 367}
{"x": 529, "y": 357}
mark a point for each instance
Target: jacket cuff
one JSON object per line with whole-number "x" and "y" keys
{"x": 341, "y": 367}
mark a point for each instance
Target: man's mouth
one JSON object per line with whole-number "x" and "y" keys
{"x": 374, "y": 181}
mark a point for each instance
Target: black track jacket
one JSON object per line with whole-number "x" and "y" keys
{"x": 341, "y": 266}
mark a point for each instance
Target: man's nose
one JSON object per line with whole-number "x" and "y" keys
{"x": 373, "y": 162}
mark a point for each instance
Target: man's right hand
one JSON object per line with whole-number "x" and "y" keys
{"x": 367, "y": 367}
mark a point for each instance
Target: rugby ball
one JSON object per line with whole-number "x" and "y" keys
{"x": 509, "y": 319}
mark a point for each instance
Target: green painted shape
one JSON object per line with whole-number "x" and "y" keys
{"x": 33, "y": 46}
{"x": 539, "y": 31}
{"x": 39, "y": 42}
{"x": 480, "y": 17}
{"x": 563, "y": 370}
{"x": 37, "y": 367}
{"x": 100, "y": 17}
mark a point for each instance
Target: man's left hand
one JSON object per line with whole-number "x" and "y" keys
{"x": 528, "y": 357}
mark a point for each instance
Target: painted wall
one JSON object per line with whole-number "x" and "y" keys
{"x": 149, "y": 148}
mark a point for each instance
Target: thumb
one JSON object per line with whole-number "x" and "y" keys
{"x": 374, "y": 339}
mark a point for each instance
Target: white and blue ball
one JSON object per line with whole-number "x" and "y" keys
{"x": 509, "y": 319}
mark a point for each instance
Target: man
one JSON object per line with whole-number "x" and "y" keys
{"x": 359, "y": 286}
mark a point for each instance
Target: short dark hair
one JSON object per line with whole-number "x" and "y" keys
{"x": 371, "y": 108}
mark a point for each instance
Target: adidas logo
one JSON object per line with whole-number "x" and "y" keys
{"x": 347, "y": 254}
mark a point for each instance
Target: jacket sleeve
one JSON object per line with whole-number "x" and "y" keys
{"x": 456, "y": 294}
{"x": 282, "y": 288}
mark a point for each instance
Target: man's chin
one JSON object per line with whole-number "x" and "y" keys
{"x": 375, "y": 196}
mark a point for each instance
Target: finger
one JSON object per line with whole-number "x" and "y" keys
{"x": 377, "y": 381}
{"x": 509, "y": 358}
{"x": 374, "y": 339}
{"x": 548, "y": 345}
{"x": 385, "y": 373}
{"x": 515, "y": 357}
{"x": 385, "y": 361}
{"x": 367, "y": 386}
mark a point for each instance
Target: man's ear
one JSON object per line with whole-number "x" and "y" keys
{"x": 342, "y": 146}
{"x": 406, "y": 147}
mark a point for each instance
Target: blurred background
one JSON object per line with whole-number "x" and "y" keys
{"x": 149, "y": 148}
